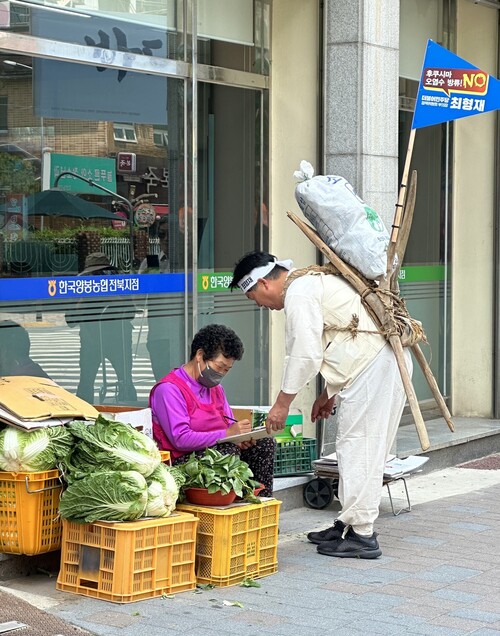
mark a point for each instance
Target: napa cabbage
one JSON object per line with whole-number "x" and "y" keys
{"x": 162, "y": 493}
{"x": 105, "y": 496}
{"x": 107, "y": 445}
{"x": 35, "y": 450}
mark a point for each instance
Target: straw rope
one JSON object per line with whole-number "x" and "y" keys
{"x": 398, "y": 321}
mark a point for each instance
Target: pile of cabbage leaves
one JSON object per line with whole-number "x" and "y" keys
{"x": 33, "y": 451}
{"x": 114, "y": 473}
{"x": 111, "y": 471}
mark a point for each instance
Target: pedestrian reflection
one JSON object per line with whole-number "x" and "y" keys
{"x": 105, "y": 334}
{"x": 15, "y": 351}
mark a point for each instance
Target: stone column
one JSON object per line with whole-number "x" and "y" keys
{"x": 361, "y": 68}
{"x": 361, "y": 98}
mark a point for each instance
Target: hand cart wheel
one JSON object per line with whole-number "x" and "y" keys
{"x": 318, "y": 493}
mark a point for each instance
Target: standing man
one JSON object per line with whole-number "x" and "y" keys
{"x": 329, "y": 331}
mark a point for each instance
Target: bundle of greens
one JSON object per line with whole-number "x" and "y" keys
{"x": 218, "y": 472}
{"x": 33, "y": 451}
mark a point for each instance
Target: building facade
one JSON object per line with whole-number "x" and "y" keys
{"x": 192, "y": 116}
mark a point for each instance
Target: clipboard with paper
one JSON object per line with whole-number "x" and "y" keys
{"x": 257, "y": 433}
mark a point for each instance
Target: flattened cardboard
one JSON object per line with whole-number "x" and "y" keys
{"x": 31, "y": 398}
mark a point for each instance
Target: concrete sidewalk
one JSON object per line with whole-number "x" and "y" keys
{"x": 439, "y": 574}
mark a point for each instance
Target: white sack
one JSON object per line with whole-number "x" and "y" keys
{"x": 345, "y": 223}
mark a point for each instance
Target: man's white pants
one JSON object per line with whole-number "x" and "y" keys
{"x": 369, "y": 414}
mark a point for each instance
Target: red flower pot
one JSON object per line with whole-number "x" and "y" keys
{"x": 202, "y": 497}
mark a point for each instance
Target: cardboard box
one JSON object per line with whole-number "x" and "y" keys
{"x": 258, "y": 415}
{"x": 33, "y": 399}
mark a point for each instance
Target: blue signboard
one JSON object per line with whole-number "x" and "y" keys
{"x": 74, "y": 287}
{"x": 451, "y": 88}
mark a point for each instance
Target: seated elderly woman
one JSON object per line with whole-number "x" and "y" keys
{"x": 191, "y": 413}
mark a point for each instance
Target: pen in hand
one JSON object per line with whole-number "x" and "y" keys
{"x": 229, "y": 419}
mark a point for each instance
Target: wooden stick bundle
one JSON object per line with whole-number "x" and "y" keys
{"x": 382, "y": 312}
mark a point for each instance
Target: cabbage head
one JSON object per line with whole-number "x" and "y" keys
{"x": 105, "y": 496}
{"x": 162, "y": 493}
{"x": 36, "y": 450}
{"x": 109, "y": 445}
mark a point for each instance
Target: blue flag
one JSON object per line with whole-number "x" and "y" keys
{"x": 451, "y": 88}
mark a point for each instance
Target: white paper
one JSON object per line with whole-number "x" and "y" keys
{"x": 140, "y": 419}
{"x": 394, "y": 466}
{"x": 12, "y": 420}
{"x": 256, "y": 433}
{"x": 410, "y": 464}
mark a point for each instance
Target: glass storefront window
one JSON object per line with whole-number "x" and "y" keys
{"x": 424, "y": 278}
{"x": 100, "y": 160}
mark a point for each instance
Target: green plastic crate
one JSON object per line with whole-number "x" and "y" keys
{"x": 295, "y": 458}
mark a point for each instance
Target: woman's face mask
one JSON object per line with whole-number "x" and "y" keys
{"x": 208, "y": 377}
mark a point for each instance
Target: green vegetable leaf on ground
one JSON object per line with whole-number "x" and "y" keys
{"x": 232, "y": 603}
{"x": 249, "y": 582}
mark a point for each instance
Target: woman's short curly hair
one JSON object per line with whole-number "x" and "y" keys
{"x": 215, "y": 339}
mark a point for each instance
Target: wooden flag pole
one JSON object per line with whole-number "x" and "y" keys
{"x": 398, "y": 215}
{"x": 404, "y": 233}
{"x": 401, "y": 242}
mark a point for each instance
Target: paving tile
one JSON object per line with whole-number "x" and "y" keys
{"x": 448, "y": 573}
{"x": 428, "y": 541}
{"x": 456, "y": 595}
{"x": 454, "y": 622}
{"x": 471, "y": 527}
{"x": 476, "y": 615}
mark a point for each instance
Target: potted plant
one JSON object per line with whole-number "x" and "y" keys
{"x": 216, "y": 479}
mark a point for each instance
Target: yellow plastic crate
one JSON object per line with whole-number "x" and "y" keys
{"x": 29, "y": 512}
{"x": 165, "y": 456}
{"x": 129, "y": 561}
{"x": 237, "y": 542}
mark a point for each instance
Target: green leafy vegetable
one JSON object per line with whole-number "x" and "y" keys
{"x": 108, "y": 445}
{"x": 33, "y": 451}
{"x": 249, "y": 582}
{"x": 217, "y": 472}
{"x": 232, "y": 603}
{"x": 177, "y": 473}
{"x": 105, "y": 496}
{"x": 162, "y": 493}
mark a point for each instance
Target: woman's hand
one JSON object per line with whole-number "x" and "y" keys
{"x": 243, "y": 426}
{"x": 323, "y": 407}
{"x": 248, "y": 444}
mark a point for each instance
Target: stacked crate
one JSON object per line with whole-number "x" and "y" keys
{"x": 29, "y": 515}
{"x": 129, "y": 561}
{"x": 236, "y": 542}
